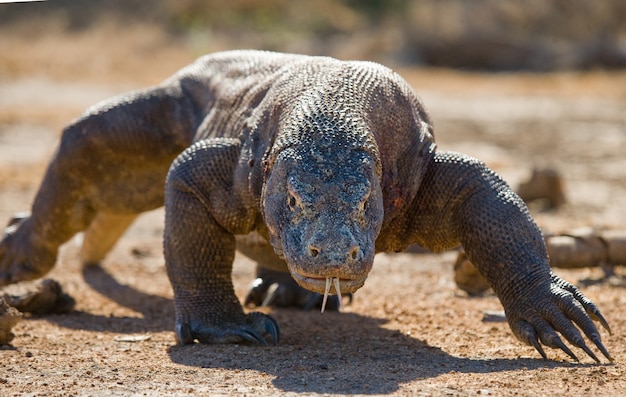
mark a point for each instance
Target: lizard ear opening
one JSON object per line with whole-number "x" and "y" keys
{"x": 276, "y": 196}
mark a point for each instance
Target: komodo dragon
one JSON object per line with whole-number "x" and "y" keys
{"x": 329, "y": 161}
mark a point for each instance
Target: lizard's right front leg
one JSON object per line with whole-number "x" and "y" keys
{"x": 202, "y": 213}
{"x": 110, "y": 165}
{"x": 28, "y": 248}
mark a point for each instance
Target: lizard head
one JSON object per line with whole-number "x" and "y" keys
{"x": 323, "y": 207}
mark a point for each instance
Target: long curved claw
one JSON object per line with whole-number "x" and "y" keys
{"x": 560, "y": 345}
{"x": 597, "y": 316}
{"x": 183, "y": 334}
{"x": 596, "y": 340}
{"x": 537, "y": 346}
{"x": 251, "y": 336}
{"x": 264, "y": 324}
{"x": 527, "y": 334}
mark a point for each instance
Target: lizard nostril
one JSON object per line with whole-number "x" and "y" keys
{"x": 314, "y": 251}
{"x": 354, "y": 253}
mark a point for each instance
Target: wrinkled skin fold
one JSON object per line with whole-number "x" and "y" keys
{"x": 329, "y": 161}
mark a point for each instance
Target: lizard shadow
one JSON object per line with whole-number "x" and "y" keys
{"x": 344, "y": 353}
{"x": 156, "y": 313}
{"x": 317, "y": 354}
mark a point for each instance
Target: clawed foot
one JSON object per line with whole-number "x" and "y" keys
{"x": 40, "y": 297}
{"x": 20, "y": 258}
{"x": 278, "y": 289}
{"x": 556, "y": 309}
{"x": 255, "y": 328}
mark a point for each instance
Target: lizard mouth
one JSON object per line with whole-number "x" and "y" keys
{"x": 323, "y": 285}
{"x": 319, "y": 284}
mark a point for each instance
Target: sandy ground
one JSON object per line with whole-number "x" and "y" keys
{"x": 408, "y": 331}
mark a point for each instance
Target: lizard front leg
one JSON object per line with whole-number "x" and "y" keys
{"x": 461, "y": 200}
{"x": 110, "y": 165}
{"x": 203, "y": 211}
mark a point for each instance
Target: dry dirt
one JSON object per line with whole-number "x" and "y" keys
{"x": 408, "y": 331}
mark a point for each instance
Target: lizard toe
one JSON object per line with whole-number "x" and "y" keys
{"x": 183, "y": 333}
{"x": 264, "y": 325}
{"x": 526, "y": 333}
{"x": 589, "y": 307}
{"x": 574, "y": 311}
{"x": 537, "y": 332}
{"x": 549, "y": 337}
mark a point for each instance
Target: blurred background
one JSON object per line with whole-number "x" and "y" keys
{"x": 538, "y": 35}
{"x": 518, "y": 84}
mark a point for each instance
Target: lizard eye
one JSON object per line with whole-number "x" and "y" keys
{"x": 292, "y": 201}
{"x": 364, "y": 204}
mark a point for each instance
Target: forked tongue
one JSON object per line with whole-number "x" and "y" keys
{"x": 329, "y": 281}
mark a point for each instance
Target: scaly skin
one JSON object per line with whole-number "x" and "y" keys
{"x": 329, "y": 161}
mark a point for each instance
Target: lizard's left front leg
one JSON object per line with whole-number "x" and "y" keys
{"x": 202, "y": 213}
{"x": 461, "y": 200}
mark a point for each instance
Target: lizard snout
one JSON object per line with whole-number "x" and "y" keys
{"x": 332, "y": 249}
{"x": 351, "y": 254}
{"x": 335, "y": 253}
